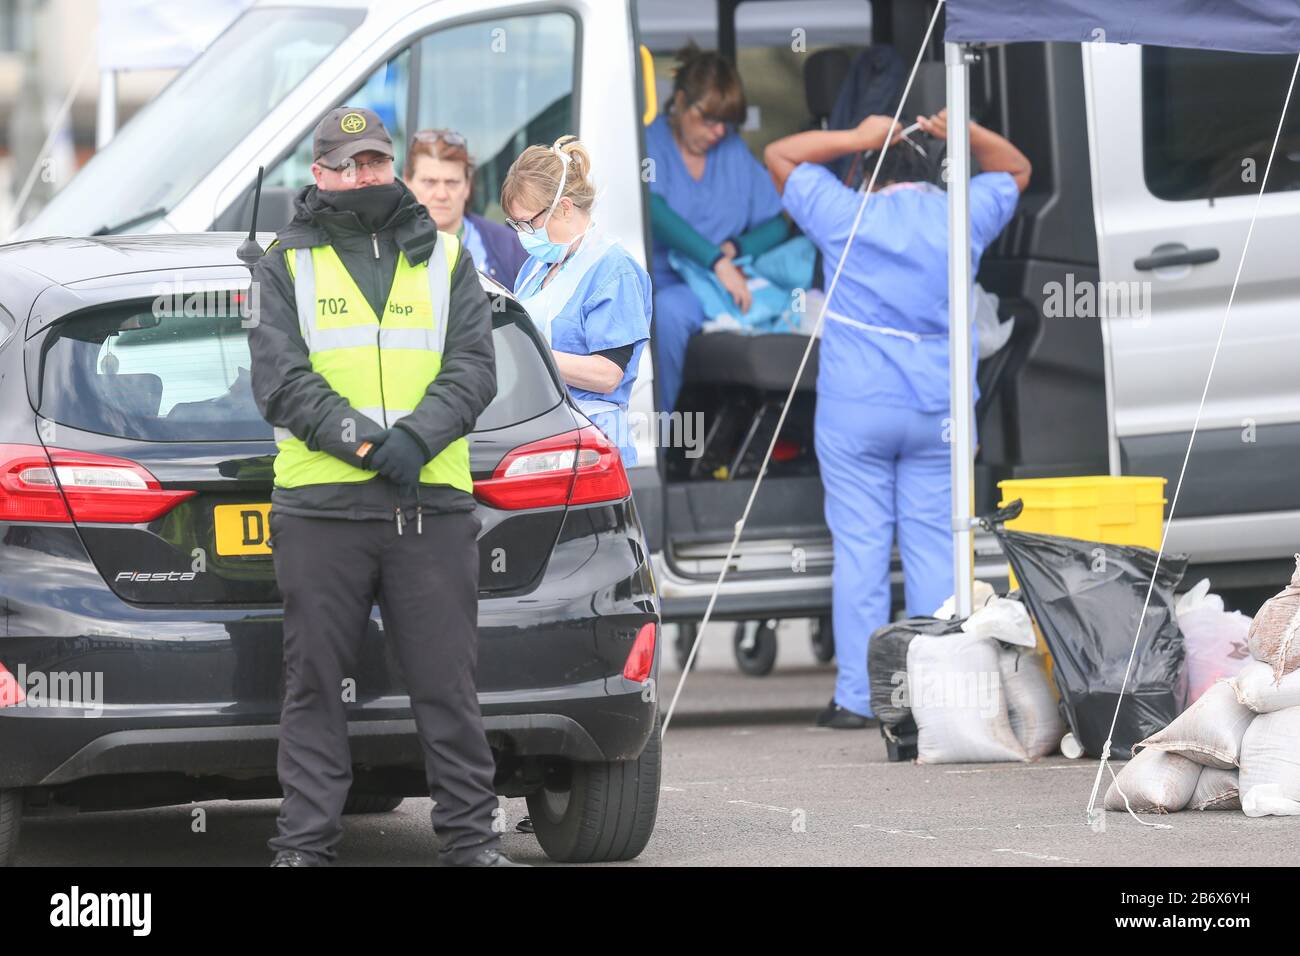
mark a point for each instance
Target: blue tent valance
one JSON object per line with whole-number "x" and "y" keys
{"x": 1248, "y": 26}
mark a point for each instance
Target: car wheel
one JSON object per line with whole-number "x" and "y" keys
{"x": 686, "y": 635}
{"x": 370, "y": 803}
{"x": 11, "y": 815}
{"x": 823, "y": 640}
{"x": 598, "y": 812}
{"x": 755, "y": 646}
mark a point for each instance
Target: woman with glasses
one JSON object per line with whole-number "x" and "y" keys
{"x": 711, "y": 201}
{"x": 587, "y": 294}
{"x": 439, "y": 171}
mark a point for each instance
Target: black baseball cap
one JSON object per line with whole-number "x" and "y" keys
{"x": 346, "y": 131}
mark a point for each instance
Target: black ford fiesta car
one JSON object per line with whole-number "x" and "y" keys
{"x": 140, "y": 649}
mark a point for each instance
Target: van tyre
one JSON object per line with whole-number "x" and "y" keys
{"x": 754, "y": 643}
{"x": 823, "y": 640}
{"x": 599, "y": 812}
{"x": 11, "y": 815}
{"x": 370, "y": 803}
{"x": 687, "y": 632}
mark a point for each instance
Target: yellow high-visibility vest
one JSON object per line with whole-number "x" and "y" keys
{"x": 383, "y": 368}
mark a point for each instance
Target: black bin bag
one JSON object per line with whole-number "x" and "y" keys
{"x": 1086, "y": 598}
{"x": 887, "y": 664}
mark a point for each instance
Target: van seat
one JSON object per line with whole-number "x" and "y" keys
{"x": 766, "y": 362}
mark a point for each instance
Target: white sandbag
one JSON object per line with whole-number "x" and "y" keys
{"x": 1270, "y": 758}
{"x": 1002, "y": 620}
{"x": 1154, "y": 782}
{"x": 1275, "y": 633}
{"x": 1215, "y": 790}
{"x": 1266, "y": 800}
{"x": 955, "y": 690}
{"x": 1031, "y": 704}
{"x": 981, "y": 594}
{"x": 1216, "y": 645}
{"x": 1209, "y": 732}
{"x": 1255, "y": 688}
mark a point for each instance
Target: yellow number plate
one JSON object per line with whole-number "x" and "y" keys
{"x": 242, "y": 529}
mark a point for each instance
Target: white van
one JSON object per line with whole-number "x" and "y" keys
{"x": 1146, "y": 161}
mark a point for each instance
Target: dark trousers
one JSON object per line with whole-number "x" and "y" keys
{"x": 330, "y": 572}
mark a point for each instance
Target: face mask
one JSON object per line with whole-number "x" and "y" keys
{"x": 374, "y": 205}
{"x": 540, "y": 246}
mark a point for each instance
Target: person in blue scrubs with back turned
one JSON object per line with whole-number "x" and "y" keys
{"x": 883, "y": 416}
{"x": 710, "y": 200}
{"x": 586, "y": 293}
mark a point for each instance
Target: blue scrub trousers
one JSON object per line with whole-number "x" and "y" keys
{"x": 678, "y": 315}
{"x": 885, "y": 469}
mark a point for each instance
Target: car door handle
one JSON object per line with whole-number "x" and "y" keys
{"x": 1187, "y": 257}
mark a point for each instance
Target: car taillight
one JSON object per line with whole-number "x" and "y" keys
{"x": 11, "y": 692}
{"x": 577, "y": 468}
{"x": 642, "y": 656}
{"x": 95, "y": 487}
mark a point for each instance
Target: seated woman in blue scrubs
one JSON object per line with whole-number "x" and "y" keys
{"x": 590, "y": 298}
{"x": 883, "y": 412}
{"x": 711, "y": 201}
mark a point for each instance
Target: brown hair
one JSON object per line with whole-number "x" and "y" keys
{"x": 709, "y": 81}
{"x": 425, "y": 142}
{"x": 535, "y": 175}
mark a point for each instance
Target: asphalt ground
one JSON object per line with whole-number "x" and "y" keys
{"x": 748, "y": 780}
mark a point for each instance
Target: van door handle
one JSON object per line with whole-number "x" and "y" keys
{"x": 1186, "y": 257}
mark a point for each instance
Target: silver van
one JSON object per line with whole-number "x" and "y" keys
{"x": 1115, "y": 270}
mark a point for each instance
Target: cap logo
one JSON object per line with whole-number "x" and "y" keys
{"x": 352, "y": 123}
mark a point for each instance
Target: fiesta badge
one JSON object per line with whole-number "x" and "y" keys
{"x": 352, "y": 123}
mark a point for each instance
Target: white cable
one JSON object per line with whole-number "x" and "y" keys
{"x": 1173, "y": 505}
{"x": 821, "y": 315}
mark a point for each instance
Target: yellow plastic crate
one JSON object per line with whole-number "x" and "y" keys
{"x": 1124, "y": 509}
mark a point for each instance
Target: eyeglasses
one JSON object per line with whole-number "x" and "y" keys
{"x": 351, "y": 165}
{"x": 448, "y": 136}
{"x": 525, "y": 225}
{"x": 711, "y": 120}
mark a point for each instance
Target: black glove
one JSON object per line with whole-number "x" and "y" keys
{"x": 399, "y": 458}
{"x": 375, "y": 438}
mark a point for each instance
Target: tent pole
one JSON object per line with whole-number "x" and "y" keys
{"x": 957, "y": 68}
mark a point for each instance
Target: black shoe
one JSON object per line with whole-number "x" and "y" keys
{"x": 291, "y": 858}
{"x": 841, "y": 718}
{"x": 525, "y": 825}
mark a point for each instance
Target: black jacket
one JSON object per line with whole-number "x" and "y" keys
{"x": 290, "y": 395}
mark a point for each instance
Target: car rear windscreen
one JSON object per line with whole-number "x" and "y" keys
{"x": 127, "y": 372}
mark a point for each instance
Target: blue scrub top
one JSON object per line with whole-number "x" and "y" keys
{"x": 734, "y": 195}
{"x": 609, "y": 308}
{"x": 896, "y": 276}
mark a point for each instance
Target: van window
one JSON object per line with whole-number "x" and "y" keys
{"x": 386, "y": 91}
{"x": 504, "y": 84}
{"x": 165, "y": 150}
{"x": 1208, "y": 121}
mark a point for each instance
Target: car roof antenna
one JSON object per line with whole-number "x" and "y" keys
{"x": 249, "y": 251}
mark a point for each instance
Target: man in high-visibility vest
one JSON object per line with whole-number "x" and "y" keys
{"x": 372, "y": 358}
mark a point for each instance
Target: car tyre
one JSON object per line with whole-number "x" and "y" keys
{"x": 589, "y": 812}
{"x": 11, "y": 816}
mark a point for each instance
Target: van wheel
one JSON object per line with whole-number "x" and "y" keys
{"x": 755, "y": 645}
{"x": 687, "y": 632}
{"x": 370, "y": 803}
{"x": 823, "y": 640}
{"x": 598, "y": 812}
{"x": 11, "y": 815}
